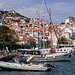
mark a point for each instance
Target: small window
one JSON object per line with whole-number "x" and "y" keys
{"x": 58, "y": 50}
{"x": 37, "y": 53}
{"x": 61, "y": 50}
{"x": 64, "y": 50}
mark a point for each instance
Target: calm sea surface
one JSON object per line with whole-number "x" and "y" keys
{"x": 62, "y": 68}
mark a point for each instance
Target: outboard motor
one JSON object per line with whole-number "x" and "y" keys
{"x": 26, "y": 62}
{"x": 70, "y": 56}
{"x": 48, "y": 65}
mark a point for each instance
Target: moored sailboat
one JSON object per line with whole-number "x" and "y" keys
{"x": 51, "y": 53}
{"x": 45, "y": 55}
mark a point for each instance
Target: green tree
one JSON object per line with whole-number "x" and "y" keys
{"x": 73, "y": 38}
{"x": 27, "y": 20}
{"x": 8, "y": 44}
{"x": 63, "y": 40}
{"x": 7, "y": 35}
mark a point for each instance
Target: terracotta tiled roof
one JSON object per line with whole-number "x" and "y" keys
{"x": 57, "y": 32}
{"x": 12, "y": 29}
{"x": 16, "y": 32}
{"x": 71, "y": 29}
{"x": 68, "y": 27}
{"x": 66, "y": 33}
{"x": 7, "y": 24}
{"x": 19, "y": 31}
{"x": 29, "y": 31}
{"x": 31, "y": 38}
{"x": 71, "y": 21}
{"x": 47, "y": 34}
{"x": 41, "y": 30}
{"x": 14, "y": 22}
{"x": 21, "y": 35}
{"x": 25, "y": 39}
{"x": 60, "y": 25}
{"x": 34, "y": 30}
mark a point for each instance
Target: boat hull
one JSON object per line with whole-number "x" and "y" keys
{"x": 57, "y": 58}
{"x": 52, "y": 57}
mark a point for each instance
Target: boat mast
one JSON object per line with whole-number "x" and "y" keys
{"x": 43, "y": 27}
{"x": 51, "y": 27}
{"x": 38, "y": 26}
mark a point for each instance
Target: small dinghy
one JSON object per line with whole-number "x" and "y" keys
{"x": 24, "y": 66}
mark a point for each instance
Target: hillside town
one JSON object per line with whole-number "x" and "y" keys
{"x": 26, "y": 32}
{"x": 37, "y": 37}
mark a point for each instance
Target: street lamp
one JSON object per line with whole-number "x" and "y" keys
{"x": 3, "y": 44}
{"x": 10, "y": 46}
{"x": 2, "y": 40}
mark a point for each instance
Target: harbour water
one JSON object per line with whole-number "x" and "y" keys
{"x": 61, "y": 68}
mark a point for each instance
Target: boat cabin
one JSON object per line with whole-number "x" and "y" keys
{"x": 65, "y": 49}
{"x": 45, "y": 51}
{"x": 28, "y": 51}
